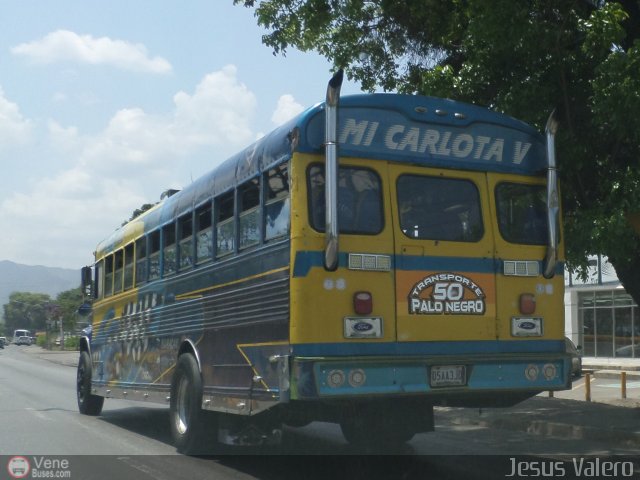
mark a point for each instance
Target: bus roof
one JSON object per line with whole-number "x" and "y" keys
{"x": 412, "y": 129}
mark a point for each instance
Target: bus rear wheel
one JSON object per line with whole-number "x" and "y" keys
{"x": 189, "y": 423}
{"x": 88, "y": 404}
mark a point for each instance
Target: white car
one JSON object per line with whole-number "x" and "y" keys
{"x": 24, "y": 340}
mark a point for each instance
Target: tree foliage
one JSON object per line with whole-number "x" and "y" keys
{"x": 580, "y": 57}
{"x": 26, "y": 310}
{"x": 32, "y": 310}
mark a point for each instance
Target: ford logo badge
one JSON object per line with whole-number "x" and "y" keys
{"x": 528, "y": 325}
{"x": 362, "y": 327}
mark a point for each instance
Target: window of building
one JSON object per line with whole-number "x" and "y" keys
{"x": 610, "y": 324}
{"x": 436, "y": 208}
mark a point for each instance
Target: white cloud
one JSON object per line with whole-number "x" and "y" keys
{"x": 130, "y": 162}
{"x": 287, "y": 109}
{"x": 63, "y": 45}
{"x": 14, "y": 128}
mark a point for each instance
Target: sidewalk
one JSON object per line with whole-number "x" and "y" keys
{"x": 617, "y": 423}
{"x": 616, "y": 420}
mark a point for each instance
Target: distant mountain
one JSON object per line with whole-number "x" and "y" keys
{"x": 15, "y": 277}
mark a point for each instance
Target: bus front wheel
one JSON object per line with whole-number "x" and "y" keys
{"x": 88, "y": 404}
{"x": 188, "y": 421}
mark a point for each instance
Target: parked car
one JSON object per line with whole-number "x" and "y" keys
{"x": 629, "y": 350}
{"x": 23, "y": 340}
{"x": 3, "y": 341}
{"x": 576, "y": 356}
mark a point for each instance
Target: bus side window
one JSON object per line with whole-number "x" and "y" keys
{"x": 119, "y": 269}
{"x": 277, "y": 203}
{"x": 185, "y": 233}
{"x": 154, "y": 255}
{"x": 128, "y": 266}
{"x": 204, "y": 236}
{"x": 359, "y": 200}
{"x": 249, "y": 198}
{"x": 108, "y": 276}
{"x": 225, "y": 225}
{"x": 169, "y": 249}
{"x": 141, "y": 260}
{"x": 99, "y": 281}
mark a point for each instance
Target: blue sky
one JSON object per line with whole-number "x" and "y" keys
{"x": 104, "y": 105}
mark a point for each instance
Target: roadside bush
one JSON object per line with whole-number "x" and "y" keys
{"x": 72, "y": 343}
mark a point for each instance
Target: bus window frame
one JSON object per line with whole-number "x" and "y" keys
{"x": 230, "y": 220}
{"x": 480, "y": 214}
{"x": 108, "y": 275}
{"x": 203, "y": 207}
{"x": 141, "y": 276}
{"x": 270, "y": 202}
{"x": 253, "y": 210}
{"x": 154, "y": 254}
{"x": 310, "y": 203}
{"x": 181, "y": 240}
{"x": 129, "y": 281}
{"x": 99, "y": 279}
{"x": 168, "y": 230}
{"x": 544, "y": 240}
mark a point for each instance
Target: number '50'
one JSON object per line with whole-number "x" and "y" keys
{"x": 447, "y": 291}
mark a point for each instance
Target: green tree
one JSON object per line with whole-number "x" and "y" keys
{"x": 68, "y": 302}
{"x": 579, "y": 57}
{"x": 26, "y": 310}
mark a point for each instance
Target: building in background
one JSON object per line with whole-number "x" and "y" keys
{"x": 600, "y": 315}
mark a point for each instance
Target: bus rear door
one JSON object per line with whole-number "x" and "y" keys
{"x": 445, "y": 268}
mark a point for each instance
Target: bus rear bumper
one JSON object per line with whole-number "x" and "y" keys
{"x": 439, "y": 378}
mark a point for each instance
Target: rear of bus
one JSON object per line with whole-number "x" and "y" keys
{"x": 438, "y": 297}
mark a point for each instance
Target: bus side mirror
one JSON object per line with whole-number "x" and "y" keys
{"x": 86, "y": 281}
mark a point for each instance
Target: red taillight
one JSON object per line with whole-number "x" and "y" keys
{"x": 362, "y": 303}
{"x": 527, "y": 303}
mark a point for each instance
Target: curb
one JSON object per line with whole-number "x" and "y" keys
{"x": 615, "y": 374}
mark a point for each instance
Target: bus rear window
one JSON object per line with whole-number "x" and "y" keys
{"x": 522, "y": 213}
{"x": 359, "y": 200}
{"x": 439, "y": 209}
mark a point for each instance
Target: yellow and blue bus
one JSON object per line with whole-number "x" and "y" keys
{"x": 376, "y": 256}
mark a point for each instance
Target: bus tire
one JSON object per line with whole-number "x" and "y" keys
{"x": 188, "y": 421}
{"x": 88, "y": 404}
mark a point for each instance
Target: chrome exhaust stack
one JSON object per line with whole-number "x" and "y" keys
{"x": 331, "y": 172}
{"x": 553, "y": 201}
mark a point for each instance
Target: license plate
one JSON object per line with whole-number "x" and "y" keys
{"x": 448, "y": 375}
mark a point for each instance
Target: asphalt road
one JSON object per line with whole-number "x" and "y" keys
{"x": 39, "y": 420}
